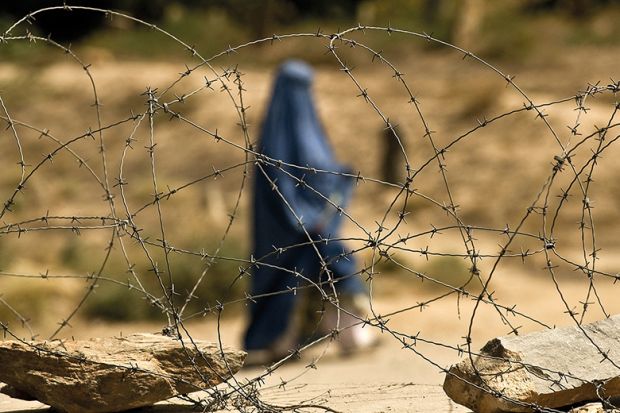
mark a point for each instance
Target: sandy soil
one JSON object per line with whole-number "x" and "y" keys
{"x": 389, "y": 378}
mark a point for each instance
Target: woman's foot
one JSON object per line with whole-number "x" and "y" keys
{"x": 353, "y": 333}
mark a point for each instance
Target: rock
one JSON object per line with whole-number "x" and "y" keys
{"x": 593, "y": 408}
{"x": 588, "y": 408}
{"x": 552, "y": 368}
{"x": 13, "y": 393}
{"x": 113, "y": 374}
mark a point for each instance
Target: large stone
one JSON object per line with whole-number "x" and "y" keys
{"x": 552, "y": 368}
{"x": 114, "y": 374}
{"x": 595, "y": 407}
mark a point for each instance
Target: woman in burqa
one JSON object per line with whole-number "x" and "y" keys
{"x": 293, "y": 209}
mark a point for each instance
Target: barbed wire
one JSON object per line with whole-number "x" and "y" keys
{"x": 139, "y": 227}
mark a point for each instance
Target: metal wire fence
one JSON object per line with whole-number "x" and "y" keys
{"x": 553, "y": 227}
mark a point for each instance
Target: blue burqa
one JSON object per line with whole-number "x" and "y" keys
{"x": 294, "y": 208}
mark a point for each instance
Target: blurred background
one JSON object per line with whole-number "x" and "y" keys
{"x": 512, "y": 29}
{"x": 555, "y": 49}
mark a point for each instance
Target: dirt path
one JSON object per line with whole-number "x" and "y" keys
{"x": 404, "y": 398}
{"x": 389, "y": 378}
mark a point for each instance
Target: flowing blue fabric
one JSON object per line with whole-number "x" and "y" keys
{"x": 291, "y": 208}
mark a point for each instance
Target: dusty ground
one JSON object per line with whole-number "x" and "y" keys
{"x": 387, "y": 379}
